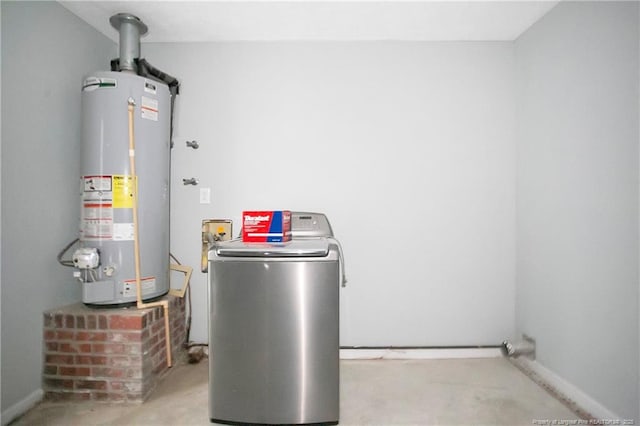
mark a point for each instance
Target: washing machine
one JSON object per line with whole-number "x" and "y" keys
{"x": 274, "y": 327}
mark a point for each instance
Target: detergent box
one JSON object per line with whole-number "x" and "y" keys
{"x": 266, "y": 226}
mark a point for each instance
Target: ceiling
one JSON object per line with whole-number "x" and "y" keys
{"x": 267, "y": 20}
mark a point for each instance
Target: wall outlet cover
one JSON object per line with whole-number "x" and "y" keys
{"x": 205, "y": 195}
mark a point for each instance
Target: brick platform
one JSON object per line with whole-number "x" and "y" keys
{"x": 108, "y": 354}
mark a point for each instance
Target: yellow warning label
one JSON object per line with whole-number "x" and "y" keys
{"x": 122, "y": 192}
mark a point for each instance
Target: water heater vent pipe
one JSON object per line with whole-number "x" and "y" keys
{"x": 130, "y": 28}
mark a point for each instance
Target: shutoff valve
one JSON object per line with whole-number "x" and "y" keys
{"x": 86, "y": 258}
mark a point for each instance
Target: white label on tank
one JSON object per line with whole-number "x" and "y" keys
{"x": 150, "y": 87}
{"x": 149, "y": 108}
{"x": 148, "y": 285}
{"x": 123, "y": 231}
{"x": 97, "y": 208}
{"x": 96, "y": 229}
{"x": 97, "y": 183}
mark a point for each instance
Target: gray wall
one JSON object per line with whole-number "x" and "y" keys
{"x": 408, "y": 148}
{"x": 577, "y": 197}
{"x": 45, "y": 52}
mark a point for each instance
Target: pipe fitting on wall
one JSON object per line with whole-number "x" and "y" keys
{"x": 190, "y": 181}
{"x": 525, "y": 347}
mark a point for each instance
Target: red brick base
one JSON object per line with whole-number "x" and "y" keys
{"x": 108, "y": 354}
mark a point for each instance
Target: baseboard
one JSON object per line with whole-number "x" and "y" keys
{"x": 21, "y": 407}
{"x": 566, "y": 392}
{"x": 419, "y": 353}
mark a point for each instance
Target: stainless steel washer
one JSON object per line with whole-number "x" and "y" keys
{"x": 274, "y": 328}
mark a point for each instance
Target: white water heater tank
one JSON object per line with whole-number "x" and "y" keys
{"x": 106, "y": 222}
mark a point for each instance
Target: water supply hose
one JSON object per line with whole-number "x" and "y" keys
{"x": 136, "y": 241}
{"x": 63, "y": 262}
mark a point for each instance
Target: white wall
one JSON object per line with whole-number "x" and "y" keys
{"x": 45, "y": 52}
{"x": 409, "y": 149}
{"x": 577, "y": 174}
{"x": 0, "y": 218}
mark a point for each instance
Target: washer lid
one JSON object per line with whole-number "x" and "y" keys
{"x": 312, "y": 247}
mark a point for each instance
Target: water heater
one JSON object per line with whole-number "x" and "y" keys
{"x": 105, "y": 260}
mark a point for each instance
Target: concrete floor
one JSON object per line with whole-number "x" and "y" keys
{"x": 373, "y": 392}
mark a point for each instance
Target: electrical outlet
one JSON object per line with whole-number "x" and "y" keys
{"x": 205, "y": 195}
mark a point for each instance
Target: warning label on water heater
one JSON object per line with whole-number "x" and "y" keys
{"x": 97, "y": 183}
{"x": 122, "y": 192}
{"x": 101, "y": 194}
{"x": 97, "y": 221}
{"x": 150, "y": 87}
{"x": 149, "y": 108}
{"x": 147, "y": 284}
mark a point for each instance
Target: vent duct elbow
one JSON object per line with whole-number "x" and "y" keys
{"x": 525, "y": 347}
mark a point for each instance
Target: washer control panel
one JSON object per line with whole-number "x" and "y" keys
{"x": 310, "y": 225}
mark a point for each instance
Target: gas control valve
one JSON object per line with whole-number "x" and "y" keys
{"x": 86, "y": 258}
